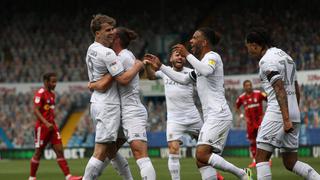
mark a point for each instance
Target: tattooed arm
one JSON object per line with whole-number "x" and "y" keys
{"x": 282, "y": 99}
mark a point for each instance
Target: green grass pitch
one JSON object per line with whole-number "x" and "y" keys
{"x": 49, "y": 170}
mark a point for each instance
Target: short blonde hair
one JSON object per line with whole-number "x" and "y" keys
{"x": 100, "y": 19}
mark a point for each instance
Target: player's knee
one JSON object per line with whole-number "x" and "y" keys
{"x": 203, "y": 154}
{"x": 139, "y": 149}
{"x": 174, "y": 148}
{"x": 289, "y": 164}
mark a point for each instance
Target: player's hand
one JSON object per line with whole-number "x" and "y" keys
{"x": 153, "y": 60}
{"x": 139, "y": 64}
{"x": 288, "y": 126}
{"x": 181, "y": 49}
{"x": 49, "y": 126}
{"x": 90, "y": 86}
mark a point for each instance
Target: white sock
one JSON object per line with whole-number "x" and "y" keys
{"x": 174, "y": 166}
{"x": 305, "y": 170}
{"x": 208, "y": 173}
{"x": 121, "y": 165}
{"x": 106, "y": 162}
{"x": 146, "y": 169}
{"x": 32, "y": 178}
{"x": 263, "y": 171}
{"x": 93, "y": 169}
{"x": 68, "y": 176}
{"x": 220, "y": 163}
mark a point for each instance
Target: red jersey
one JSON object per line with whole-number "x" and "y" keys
{"x": 252, "y": 105}
{"x": 45, "y": 101}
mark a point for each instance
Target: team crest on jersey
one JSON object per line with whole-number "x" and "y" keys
{"x": 48, "y": 101}
{"x": 37, "y": 99}
{"x": 211, "y": 62}
{"x": 255, "y": 100}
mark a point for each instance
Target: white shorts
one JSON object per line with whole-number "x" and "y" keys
{"x": 134, "y": 122}
{"x": 215, "y": 133}
{"x": 106, "y": 118}
{"x": 175, "y": 131}
{"x": 271, "y": 135}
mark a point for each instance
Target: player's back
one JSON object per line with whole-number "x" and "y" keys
{"x": 99, "y": 58}
{"x": 276, "y": 60}
{"x": 211, "y": 89}
{"x": 129, "y": 94}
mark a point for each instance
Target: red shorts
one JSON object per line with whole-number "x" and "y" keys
{"x": 43, "y": 136}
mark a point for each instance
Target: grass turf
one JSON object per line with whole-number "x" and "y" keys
{"x": 49, "y": 170}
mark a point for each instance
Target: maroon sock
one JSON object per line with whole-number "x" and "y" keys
{"x": 34, "y": 164}
{"x": 63, "y": 166}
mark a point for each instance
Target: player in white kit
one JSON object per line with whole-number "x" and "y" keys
{"x": 281, "y": 123}
{"x": 133, "y": 114}
{"x": 183, "y": 116}
{"x": 105, "y": 106}
{"x": 216, "y": 112}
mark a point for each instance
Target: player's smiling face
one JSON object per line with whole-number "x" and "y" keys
{"x": 196, "y": 43}
{"x": 177, "y": 60}
{"x": 106, "y": 34}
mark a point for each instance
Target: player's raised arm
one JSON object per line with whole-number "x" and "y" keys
{"x": 176, "y": 76}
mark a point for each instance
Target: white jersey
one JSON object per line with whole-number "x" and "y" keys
{"x": 179, "y": 100}
{"x": 101, "y": 60}
{"x": 276, "y": 60}
{"x": 129, "y": 93}
{"x": 211, "y": 90}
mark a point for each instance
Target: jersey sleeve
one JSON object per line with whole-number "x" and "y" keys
{"x": 37, "y": 99}
{"x": 270, "y": 70}
{"x": 159, "y": 74}
{"x": 113, "y": 63}
{"x": 193, "y": 76}
{"x": 211, "y": 60}
{"x": 238, "y": 102}
{"x": 263, "y": 96}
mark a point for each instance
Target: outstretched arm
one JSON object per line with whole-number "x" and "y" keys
{"x": 176, "y": 76}
{"x": 201, "y": 67}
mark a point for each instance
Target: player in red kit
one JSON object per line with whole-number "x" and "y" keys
{"x": 252, "y": 101}
{"x": 46, "y": 130}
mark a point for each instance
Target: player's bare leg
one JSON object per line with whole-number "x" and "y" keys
{"x": 119, "y": 163}
{"x": 140, "y": 152}
{"x": 34, "y": 163}
{"x": 205, "y": 155}
{"x": 96, "y": 162}
{"x": 58, "y": 149}
{"x": 263, "y": 167}
{"x": 174, "y": 159}
{"x": 290, "y": 161}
